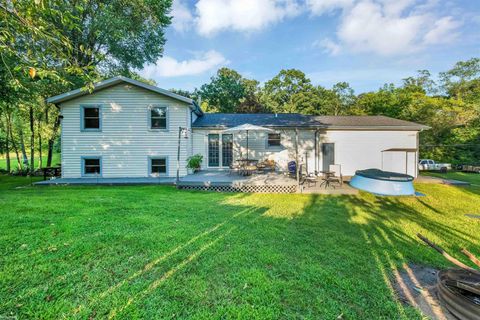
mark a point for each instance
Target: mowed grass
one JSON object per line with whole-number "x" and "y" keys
{"x": 154, "y": 252}
{"x": 14, "y": 162}
{"x": 471, "y": 177}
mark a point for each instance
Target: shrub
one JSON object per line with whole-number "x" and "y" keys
{"x": 195, "y": 162}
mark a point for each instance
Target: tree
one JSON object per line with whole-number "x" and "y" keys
{"x": 277, "y": 93}
{"x": 118, "y": 35}
{"x": 462, "y": 78}
{"x": 345, "y": 98}
{"x": 225, "y": 92}
{"x": 184, "y": 93}
{"x": 49, "y": 47}
{"x": 421, "y": 83}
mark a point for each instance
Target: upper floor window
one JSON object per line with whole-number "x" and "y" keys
{"x": 91, "y": 118}
{"x": 274, "y": 140}
{"x": 158, "y": 117}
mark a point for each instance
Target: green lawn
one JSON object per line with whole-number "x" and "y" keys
{"x": 154, "y": 252}
{"x": 473, "y": 178}
{"x": 13, "y": 161}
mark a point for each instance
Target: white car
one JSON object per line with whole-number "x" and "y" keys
{"x": 430, "y": 165}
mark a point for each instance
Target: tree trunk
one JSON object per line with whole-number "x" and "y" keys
{"x": 39, "y": 134}
{"x": 7, "y": 154}
{"x": 32, "y": 140}
{"x": 15, "y": 148}
{"x": 22, "y": 147}
{"x": 7, "y": 147}
{"x": 51, "y": 142}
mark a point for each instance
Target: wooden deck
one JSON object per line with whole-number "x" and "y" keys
{"x": 220, "y": 181}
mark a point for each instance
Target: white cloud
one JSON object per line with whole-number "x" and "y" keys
{"x": 318, "y": 7}
{"x": 387, "y": 27}
{"x": 368, "y": 27}
{"x": 170, "y": 67}
{"x": 213, "y": 16}
{"x": 328, "y": 46}
{"x": 444, "y": 31}
{"x": 182, "y": 17}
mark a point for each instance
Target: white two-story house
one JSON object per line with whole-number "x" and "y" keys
{"x": 126, "y": 128}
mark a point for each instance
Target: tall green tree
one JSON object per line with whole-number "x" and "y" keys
{"x": 464, "y": 77}
{"x": 229, "y": 92}
{"x": 51, "y": 46}
{"x": 277, "y": 94}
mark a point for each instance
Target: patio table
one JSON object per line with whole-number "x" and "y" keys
{"x": 247, "y": 166}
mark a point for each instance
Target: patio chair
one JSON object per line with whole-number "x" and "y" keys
{"x": 292, "y": 168}
{"x": 310, "y": 179}
{"x": 266, "y": 165}
{"x": 270, "y": 165}
{"x": 234, "y": 167}
{"x": 337, "y": 177}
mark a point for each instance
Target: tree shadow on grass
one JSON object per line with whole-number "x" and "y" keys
{"x": 178, "y": 254}
{"x": 369, "y": 238}
{"x": 336, "y": 256}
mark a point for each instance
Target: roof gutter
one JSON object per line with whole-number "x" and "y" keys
{"x": 359, "y": 128}
{"x": 196, "y": 108}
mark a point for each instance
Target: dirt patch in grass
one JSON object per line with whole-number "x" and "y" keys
{"x": 416, "y": 285}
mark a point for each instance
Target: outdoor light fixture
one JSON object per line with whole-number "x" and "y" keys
{"x": 185, "y": 133}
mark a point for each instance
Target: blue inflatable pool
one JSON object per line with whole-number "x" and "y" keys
{"x": 383, "y": 182}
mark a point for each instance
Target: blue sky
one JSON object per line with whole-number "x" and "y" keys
{"x": 364, "y": 42}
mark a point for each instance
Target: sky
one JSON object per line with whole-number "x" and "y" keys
{"x": 364, "y": 42}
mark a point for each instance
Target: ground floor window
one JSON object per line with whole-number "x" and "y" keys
{"x": 274, "y": 140}
{"x": 158, "y": 166}
{"x": 91, "y": 166}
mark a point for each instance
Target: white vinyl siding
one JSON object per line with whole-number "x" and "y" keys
{"x": 258, "y": 149}
{"x": 126, "y": 141}
{"x": 354, "y": 149}
{"x": 358, "y": 150}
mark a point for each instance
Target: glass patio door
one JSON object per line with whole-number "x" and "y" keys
{"x": 213, "y": 150}
{"x": 220, "y": 150}
{"x": 227, "y": 149}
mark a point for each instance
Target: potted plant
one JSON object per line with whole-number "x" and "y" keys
{"x": 194, "y": 162}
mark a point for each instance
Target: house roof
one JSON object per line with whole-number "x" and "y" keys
{"x": 119, "y": 79}
{"x": 295, "y": 120}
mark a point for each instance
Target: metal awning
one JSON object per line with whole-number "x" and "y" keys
{"x": 400, "y": 150}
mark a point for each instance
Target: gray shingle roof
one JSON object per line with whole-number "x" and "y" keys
{"x": 288, "y": 120}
